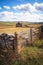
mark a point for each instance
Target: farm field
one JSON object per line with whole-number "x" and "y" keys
{"x": 12, "y": 30}
{"x": 10, "y": 27}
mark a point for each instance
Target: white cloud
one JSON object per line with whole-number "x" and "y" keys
{"x": 39, "y": 6}
{"x": 25, "y": 12}
{"x": 0, "y": 8}
{"x": 22, "y": 16}
{"x": 6, "y": 7}
{"x": 29, "y": 7}
{"x": 25, "y": 7}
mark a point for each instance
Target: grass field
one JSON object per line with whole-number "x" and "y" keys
{"x": 10, "y": 27}
{"x": 12, "y": 30}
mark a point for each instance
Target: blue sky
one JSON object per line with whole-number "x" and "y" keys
{"x": 21, "y": 10}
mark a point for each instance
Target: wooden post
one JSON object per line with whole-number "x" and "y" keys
{"x": 16, "y": 43}
{"x": 15, "y": 37}
{"x": 31, "y": 35}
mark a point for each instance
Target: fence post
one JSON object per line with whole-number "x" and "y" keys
{"x": 15, "y": 37}
{"x": 31, "y": 35}
{"x": 16, "y": 43}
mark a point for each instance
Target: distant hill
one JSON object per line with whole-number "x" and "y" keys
{"x": 37, "y": 22}
{"x": 23, "y": 22}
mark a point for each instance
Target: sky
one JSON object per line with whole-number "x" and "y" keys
{"x": 21, "y": 10}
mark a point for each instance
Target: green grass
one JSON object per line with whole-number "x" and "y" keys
{"x": 7, "y": 23}
{"x": 13, "y": 23}
{"x": 38, "y": 43}
{"x": 30, "y": 56}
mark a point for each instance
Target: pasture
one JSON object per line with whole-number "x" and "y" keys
{"x": 12, "y": 30}
{"x": 10, "y": 27}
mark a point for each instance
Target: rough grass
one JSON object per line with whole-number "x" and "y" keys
{"x": 32, "y": 56}
{"x": 12, "y": 30}
{"x": 38, "y": 43}
{"x": 28, "y": 56}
